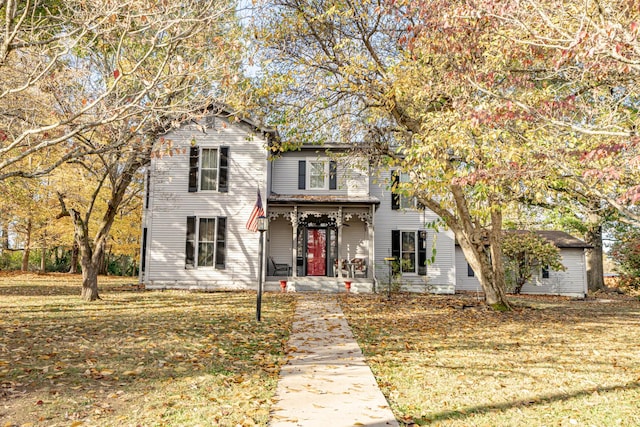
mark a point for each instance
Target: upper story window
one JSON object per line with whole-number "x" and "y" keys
{"x": 209, "y": 169}
{"x": 317, "y": 175}
{"x": 398, "y": 200}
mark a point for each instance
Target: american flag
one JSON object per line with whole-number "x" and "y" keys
{"x": 257, "y": 211}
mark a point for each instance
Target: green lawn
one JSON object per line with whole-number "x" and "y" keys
{"x": 136, "y": 358}
{"x": 551, "y": 362}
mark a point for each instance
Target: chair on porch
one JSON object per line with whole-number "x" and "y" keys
{"x": 278, "y": 269}
{"x": 340, "y": 266}
{"x": 359, "y": 267}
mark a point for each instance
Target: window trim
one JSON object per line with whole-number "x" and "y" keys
{"x": 325, "y": 174}
{"x": 421, "y": 237}
{"x": 210, "y": 242}
{"x": 415, "y": 252}
{"x": 406, "y": 200}
{"x": 216, "y": 243}
{"x": 222, "y": 169}
{"x": 201, "y": 169}
{"x": 400, "y": 201}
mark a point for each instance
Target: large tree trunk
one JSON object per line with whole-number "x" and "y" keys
{"x": 90, "y": 256}
{"x": 498, "y": 284}
{"x": 594, "y": 258}
{"x": 478, "y": 257}
{"x": 27, "y": 247}
{"x": 73, "y": 264}
{"x": 89, "y": 280}
{"x": 473, "y": 240}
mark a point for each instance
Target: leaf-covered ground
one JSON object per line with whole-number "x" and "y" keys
{"x": 136, "y": 358}
{"x": 551, "y": 362}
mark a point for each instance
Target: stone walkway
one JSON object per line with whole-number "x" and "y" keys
{"x": 326, "y": 382}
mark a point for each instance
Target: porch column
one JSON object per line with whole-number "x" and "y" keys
{"x": 339, "y": 224}
{"x": 294, "y": 243}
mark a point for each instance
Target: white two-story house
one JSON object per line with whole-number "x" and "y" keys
{"x": 332, "y": 217}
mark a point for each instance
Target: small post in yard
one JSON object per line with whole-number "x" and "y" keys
{"x": 389, "y": 261}
{"x": 263, "y": 224}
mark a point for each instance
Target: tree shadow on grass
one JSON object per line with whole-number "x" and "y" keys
{"x": 543, "y": 399}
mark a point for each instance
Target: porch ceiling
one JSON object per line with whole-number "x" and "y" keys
{"x": 301, "y": 199}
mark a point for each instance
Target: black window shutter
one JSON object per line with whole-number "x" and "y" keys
{"x": 302, "y": 174}
{"x": 143, "y": 258}
{"x": 395, "y": 198}
{"x": 223, "y": 180}
{"x": 470, "y": 272}
{"x": 148, "y": 189}
{"x": 545, "y": 272}
{"x": 190, "y": 250}
{"x": 221, "y": 243}
{"x": 333, "y": 175}
{"x": 395, "y": 244}
{"x": 422, "y": 252}
{"x": 193, "y": 168}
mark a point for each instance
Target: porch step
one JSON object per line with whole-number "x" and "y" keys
{"x": 321, "y": 284}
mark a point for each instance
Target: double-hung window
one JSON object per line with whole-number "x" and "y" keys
{"x": 408, "y": 252}
{"x": 209, "y": 169}
{"x": 206, "y": 242}
{"x": 410, "y": 249}
{"x": 398, "y": 199}
{"x": 317, "y": 175}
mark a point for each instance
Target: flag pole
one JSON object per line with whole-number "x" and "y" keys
{"x": 262, "y": 227}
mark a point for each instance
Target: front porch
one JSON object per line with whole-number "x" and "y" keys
{"x": 321, "y": 242}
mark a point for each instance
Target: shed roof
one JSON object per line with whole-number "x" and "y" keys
{"x": 559, "y": 238}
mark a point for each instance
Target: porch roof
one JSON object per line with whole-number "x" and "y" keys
{"x": 312, "y": 199}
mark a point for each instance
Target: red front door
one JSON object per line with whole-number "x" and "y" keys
{"x": 316, "y": 252}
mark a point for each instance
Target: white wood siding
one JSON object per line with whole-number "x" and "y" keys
{"x": 572, "y": 282}
{"x": 442, "y": 273}
{"x": 352, "y": 178}
{"x": 281, "y": 241}
{"x": 171, "y": 204}
{"x": 463, "y": 281}
{"x": 354, "y": 239}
